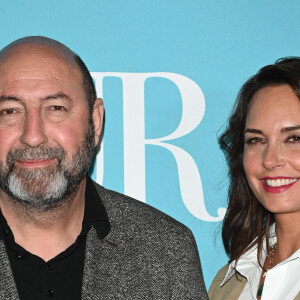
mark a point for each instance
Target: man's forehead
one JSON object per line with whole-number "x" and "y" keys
{"x": 38, "y": 68}
{"x": 39, "y": 47}
{"x": 37, "y": 58}
{"x": 37, "y": 64}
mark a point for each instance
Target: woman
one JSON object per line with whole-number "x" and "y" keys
{"x": 261, "y": 229}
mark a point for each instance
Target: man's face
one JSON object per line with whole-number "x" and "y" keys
{"x": 47, "y": 137}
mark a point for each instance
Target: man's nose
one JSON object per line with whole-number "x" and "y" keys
{"x": 33, "y": 133}
{"x": 273, "y": 157}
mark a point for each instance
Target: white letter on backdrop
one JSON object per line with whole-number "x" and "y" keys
{"x": 193, "y": 107}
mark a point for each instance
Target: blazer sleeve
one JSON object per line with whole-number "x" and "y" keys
{"x": 156, "y": 256}
{"x": 187, "y": 274}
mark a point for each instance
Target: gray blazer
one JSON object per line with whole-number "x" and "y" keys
{"x": 146, "y": 255}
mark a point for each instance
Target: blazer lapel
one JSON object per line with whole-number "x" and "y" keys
{"x": 8, "y": 289}
{"x": 101, "y": 273}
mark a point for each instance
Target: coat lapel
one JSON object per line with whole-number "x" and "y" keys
{"x": 8, "y": 289}
{"x": 114, "y": 269}
{"x": 101, "y": 273}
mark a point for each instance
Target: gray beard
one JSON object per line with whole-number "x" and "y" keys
{"x": 46, "y": 188}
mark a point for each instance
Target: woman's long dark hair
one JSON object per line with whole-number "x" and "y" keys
{"x": 247, "y": 222}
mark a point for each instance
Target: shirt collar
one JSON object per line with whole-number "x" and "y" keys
{"x": 95, "y": 213}
{"x": 4, "y": 228}
{"x": 248, "y": 261}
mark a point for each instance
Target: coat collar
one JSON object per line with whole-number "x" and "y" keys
{"x": 248, "y": 263}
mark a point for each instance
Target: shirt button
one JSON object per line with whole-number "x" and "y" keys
{"x": 50, "y": 293}
{"x": 19, "y": 256}
{"x": 50, "y": 269}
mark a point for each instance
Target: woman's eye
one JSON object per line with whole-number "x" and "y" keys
{"x": 294, "y": 139}
{"x": 254, "y": 141}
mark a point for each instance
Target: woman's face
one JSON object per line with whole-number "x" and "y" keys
{"x": 272, "y": 148}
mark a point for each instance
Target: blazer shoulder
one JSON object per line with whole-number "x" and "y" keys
{"x": 168, "y": 249}
{"x": 126, "y": 209}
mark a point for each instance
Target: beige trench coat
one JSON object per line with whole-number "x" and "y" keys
{"x": 231, "y": 290}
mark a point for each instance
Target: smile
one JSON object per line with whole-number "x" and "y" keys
{"x": 277, "y": 185}
{"x": 279, "y": 182}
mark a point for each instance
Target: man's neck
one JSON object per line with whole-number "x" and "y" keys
{"x": 46, "y": 234}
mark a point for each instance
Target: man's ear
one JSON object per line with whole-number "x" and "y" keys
{"x": 98, "y": 113}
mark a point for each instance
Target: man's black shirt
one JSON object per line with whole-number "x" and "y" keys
{"x": 60, "y": 277}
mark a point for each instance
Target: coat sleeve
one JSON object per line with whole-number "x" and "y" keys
{"x": 187, "y": 275}
{"x": 156, "y": 257}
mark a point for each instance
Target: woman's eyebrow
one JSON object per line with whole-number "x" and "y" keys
{"x": 253, "y": 130}
{"x": 290, "y": 128}
{"x": 285, "y": 129}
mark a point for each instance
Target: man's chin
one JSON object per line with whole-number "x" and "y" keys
{"x": 38, "y": 192}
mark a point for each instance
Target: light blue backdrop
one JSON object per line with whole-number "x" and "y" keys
{"x": 216, "y": 44}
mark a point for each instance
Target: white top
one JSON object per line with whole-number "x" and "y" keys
{"x": 281, "y": 282}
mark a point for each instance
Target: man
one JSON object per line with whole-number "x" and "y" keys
{"x": 62, "y": 235}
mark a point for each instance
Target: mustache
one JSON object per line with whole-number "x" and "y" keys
{"x": 41, "y": 152}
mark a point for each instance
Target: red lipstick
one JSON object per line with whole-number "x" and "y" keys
{"x": 277, "y": 189}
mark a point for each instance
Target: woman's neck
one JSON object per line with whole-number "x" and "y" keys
{"x": 288, "y": 235}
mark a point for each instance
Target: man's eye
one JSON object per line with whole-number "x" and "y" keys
{"x": 8, "y": 111}
{"x": 57, "y": 108}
